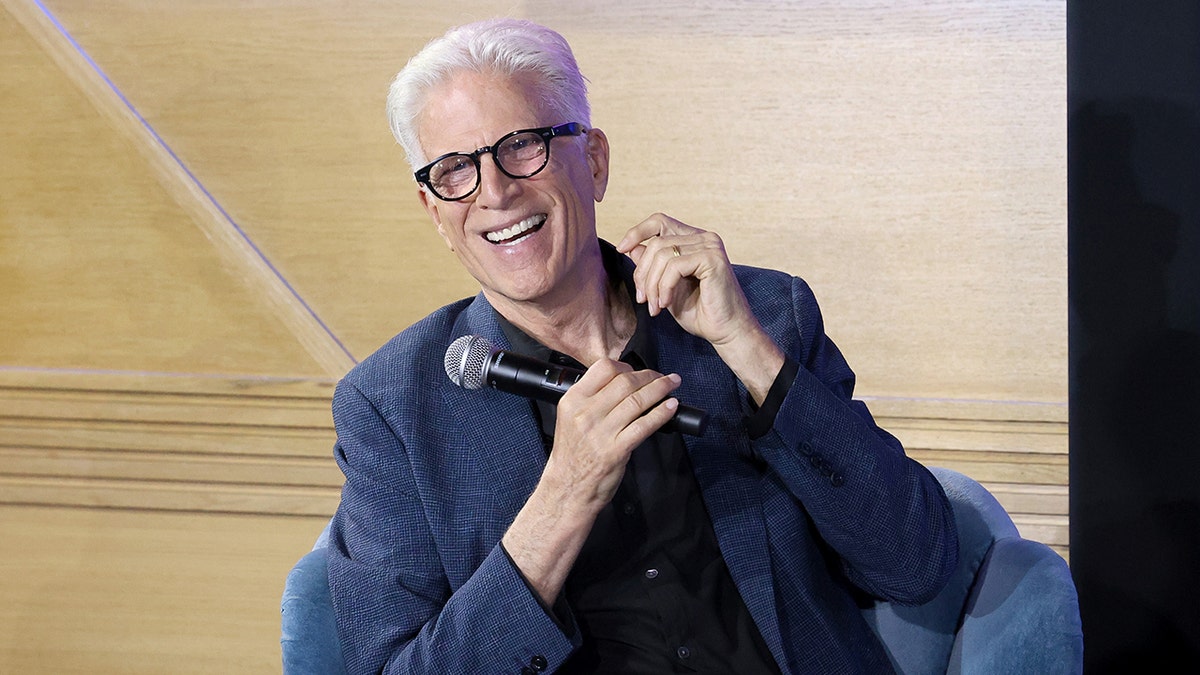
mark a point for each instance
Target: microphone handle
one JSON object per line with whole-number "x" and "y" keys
{"x": 531, "y": 378}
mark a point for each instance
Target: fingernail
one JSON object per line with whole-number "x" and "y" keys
{"x": 672, "y": 403}
{"x": 674, "y": 377}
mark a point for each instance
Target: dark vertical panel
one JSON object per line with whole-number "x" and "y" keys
{"x": 1134, "y": 228}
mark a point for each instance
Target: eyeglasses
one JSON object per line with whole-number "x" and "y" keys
{"x": 520, "y": 154}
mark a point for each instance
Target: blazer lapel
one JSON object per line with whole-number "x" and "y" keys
{"x": 500, "y": 429}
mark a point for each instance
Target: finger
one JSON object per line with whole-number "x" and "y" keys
{"x": 646, "y": 410}
{"x": 651, "y": 421}
{"x": 663, "y": 265}
{"x": 634, "y": 242}
{"x": 598, "y": 375}
{"x": 607, "y": 387}
{"x": 653, "y": 226}
{"x": 677, "y": 283}
{"x": 644, "y": 397}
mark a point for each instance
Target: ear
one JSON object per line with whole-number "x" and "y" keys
{"x": 597, "y": 152}
{"x": 433, "y": 208}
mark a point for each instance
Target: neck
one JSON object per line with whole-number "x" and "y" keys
{"x": 589, "y": 324}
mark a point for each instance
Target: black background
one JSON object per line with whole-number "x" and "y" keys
{"x": 1134, "y": 276}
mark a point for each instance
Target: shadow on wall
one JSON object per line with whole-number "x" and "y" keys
{"x": 1135, "y": 397}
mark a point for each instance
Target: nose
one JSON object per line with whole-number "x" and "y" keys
{"x": 495, "y": 188}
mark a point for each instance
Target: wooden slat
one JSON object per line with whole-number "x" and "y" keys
{"x": 51, "y": 434}
{"x": 193, "y": 468}
{"x": 892, "y": 407}
{"x": 169, "y": 496}
{"x": 264, "y": 446}
{"x": 1031, "y": 499}
{"x": 1050, "y": 530}
{"x": 167, "y": 442}
{"x": 154, "y": 408}
{"x": 37, "y": 397}
{"x": 1004, "y": 469}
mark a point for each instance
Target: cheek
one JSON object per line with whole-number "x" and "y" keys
{"x": 448, "y": 221}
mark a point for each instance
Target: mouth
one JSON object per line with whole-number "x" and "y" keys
{"x": 517, "y": 233}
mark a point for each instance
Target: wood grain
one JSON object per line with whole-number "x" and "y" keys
{"x": 204, "y": 221}
{"x": 235, "y": 249}
{"x": 126, "y": 591}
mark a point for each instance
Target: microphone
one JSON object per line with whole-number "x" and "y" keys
{"x": 472, "y": 361}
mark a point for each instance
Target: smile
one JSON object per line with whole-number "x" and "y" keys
{"x": 511, "y": 235}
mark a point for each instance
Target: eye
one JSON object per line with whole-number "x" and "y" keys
{"x": 523, "y": 147}
{"x": 453, "y": 169}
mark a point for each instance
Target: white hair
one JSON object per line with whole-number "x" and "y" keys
{"x": 507, "y": 47}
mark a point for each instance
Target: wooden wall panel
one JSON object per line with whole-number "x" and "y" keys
{"x": 909, "y": 162}
{"x": 106, "y": 591}
{"x": 101, "y": 269}
{"x": 910, "y": 158}
{"x": 261, "y": 446}
{"x": 204, "y": 222}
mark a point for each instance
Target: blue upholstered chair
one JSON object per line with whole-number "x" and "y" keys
{"x": 1011, "y": 606}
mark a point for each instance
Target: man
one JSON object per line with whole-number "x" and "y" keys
{"x": 480, "y": 532}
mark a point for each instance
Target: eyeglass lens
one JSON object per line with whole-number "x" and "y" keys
{"x": 519, "y": 156}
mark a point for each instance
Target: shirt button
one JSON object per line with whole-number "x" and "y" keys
{"x": 629, "y": 509}
{"x": 683, "y": 652}
{"x": 651, "y": 573}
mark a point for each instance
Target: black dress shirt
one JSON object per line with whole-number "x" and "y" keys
{"x": 650, "y": 592}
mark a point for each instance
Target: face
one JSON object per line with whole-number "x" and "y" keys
{"x": 525, "y": 240}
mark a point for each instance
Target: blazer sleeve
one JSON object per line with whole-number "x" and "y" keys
{"x": 396, "y": 610}
{"x": 884, "y": 514}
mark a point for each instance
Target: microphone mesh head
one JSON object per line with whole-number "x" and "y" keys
{"x": 466, "y": 360}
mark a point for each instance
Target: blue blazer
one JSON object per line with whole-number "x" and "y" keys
{"x": 821, "y": 512}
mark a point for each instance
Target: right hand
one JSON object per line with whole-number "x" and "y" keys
{"x": 601, "y": 419}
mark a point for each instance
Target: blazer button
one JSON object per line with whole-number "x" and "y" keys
{"x": 539, "y": 663}
{"x": 836, "y": 480}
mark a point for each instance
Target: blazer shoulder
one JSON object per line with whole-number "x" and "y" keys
{"x": 774, "y": 294}
{"x": 786, "y": 307}
{"x": 414, "y": 353}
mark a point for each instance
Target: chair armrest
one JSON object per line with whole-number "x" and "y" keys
{"x": 309, "y": 638}
{"x": 1022, "y": 615}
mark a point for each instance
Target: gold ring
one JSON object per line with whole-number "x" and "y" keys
{"x": 675, "y": 250}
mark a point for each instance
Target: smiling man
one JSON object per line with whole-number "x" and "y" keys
{"x": 480, "y": 532}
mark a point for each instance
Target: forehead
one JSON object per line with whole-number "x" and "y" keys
{"x": 468, "y": 110}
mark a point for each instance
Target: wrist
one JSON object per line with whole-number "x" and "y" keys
{"x": 544, "y": 540}
{"x": 754, "y": 358}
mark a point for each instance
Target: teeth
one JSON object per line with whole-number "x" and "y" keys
{"x": 516, "y": 230}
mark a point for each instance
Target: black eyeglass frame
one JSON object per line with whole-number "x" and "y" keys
{"x": 546, "y": 133}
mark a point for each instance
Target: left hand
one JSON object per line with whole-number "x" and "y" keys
{"x": 686, "y": 271}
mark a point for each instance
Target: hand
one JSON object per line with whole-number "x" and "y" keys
{"x": 601, "y": 419}
{"x": 686, "y": 271}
